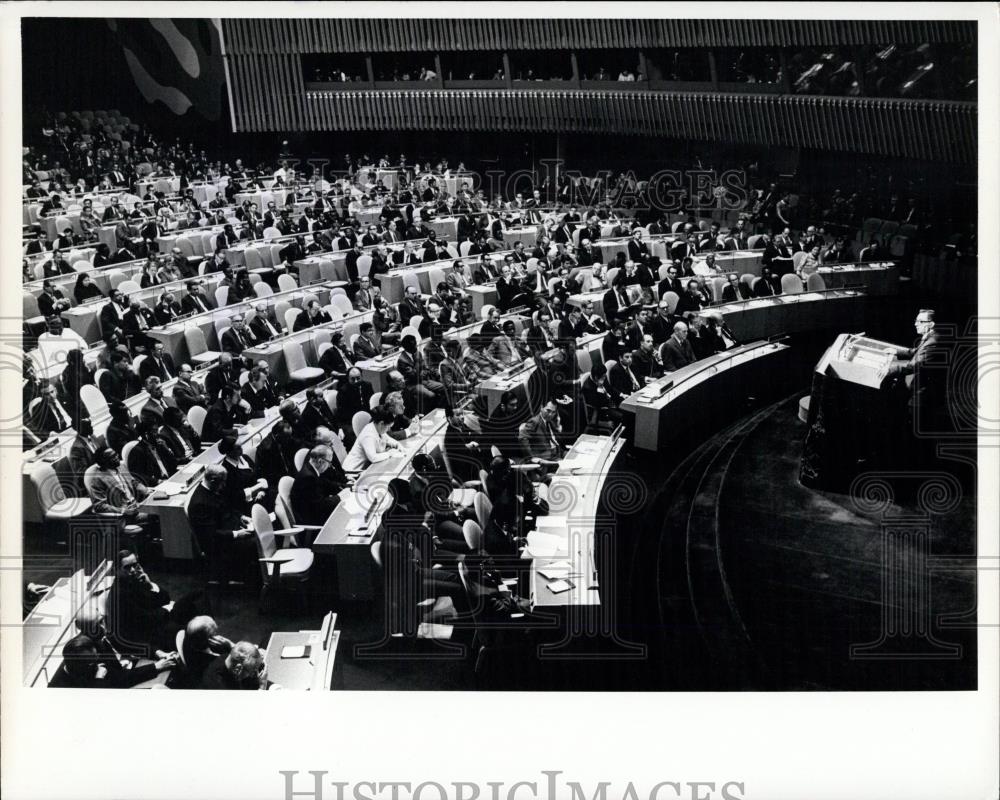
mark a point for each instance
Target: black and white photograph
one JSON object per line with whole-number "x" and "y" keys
{"x": 509, "y": 370}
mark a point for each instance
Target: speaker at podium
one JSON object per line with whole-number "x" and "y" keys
{"x": 857, "y": 415}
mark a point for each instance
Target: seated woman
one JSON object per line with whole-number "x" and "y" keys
{"x": 85, "y": 288}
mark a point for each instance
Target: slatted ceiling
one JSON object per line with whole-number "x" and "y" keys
{"x": 297, "y": 36}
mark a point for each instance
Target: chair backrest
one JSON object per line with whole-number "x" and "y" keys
{"x": 196, "y": 417}
{"x": 611, "y": 275}
{"x": 280, "y": 307}
{"x": 364, "y": 265}
{"x": 262, "y": 289}
{"x": 276, "y": 254}
{"x": 294, "y": 357}
{"x": 262, "y": 526}
{"x": 342, "y": 303}
{"x": 283, "y": 502}
{"x": 409, "y": 330}
{"x": 291, "y": 314}
{"x": 186, "y": 246}
{"x": 747, "y": 279}
{"x": 286, "y": 283}
{"x": 436, "y": 276}
{"x": 376, "y": 551}
{"x": 359, "y": 420}
{"x": 29, "y": 305}
{"x": 300, "y": 457}
{"x": 251, "y": 256}
{"x": 473, "y": 534}
{"x": 128, "y": 287}
{"x": 222, "y": 296}
{"x": 464, "y": 248}
{"x": 95, "y": 402}
{"x": 127, "y": 453}
{"x": 271, "y": 233}
{"x": 798, "y": 258}
{"x": 330, "y": 396}
{"x": 410, "y": 278}
{"x": 320, "y": 337}
{"x": 584, "y": 361}
{"x": 375, "y": 399}
{"x": 195, "y": 338}
{"x": 452, "y": 251}
{"x": 791, "y": 284}
{"x": 753, "y": 242}
{"x": 483, "y": 507}
{"x": 672, "y": 299}
{"x": 815, "y": 282}
{"x": 116, "y": 278}
{"x": 718, "y": 284}
{"x": 48, "y": 488}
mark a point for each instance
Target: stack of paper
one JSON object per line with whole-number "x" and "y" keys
{"x": 546, "y": 545}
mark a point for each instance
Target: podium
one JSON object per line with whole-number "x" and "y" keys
{"x": 856, "y": 415}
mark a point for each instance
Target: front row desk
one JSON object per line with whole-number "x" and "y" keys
{"x": 298, "y": 660}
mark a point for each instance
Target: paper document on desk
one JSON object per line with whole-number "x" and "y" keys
{"x": 546, "y": 545}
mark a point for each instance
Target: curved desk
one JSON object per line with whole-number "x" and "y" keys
{"x": 660, "y": 412}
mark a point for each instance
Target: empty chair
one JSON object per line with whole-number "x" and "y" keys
{"x": 815, "y": 283}
{"x": 342, "y": 304}
{"x": 611, "y": 275}
{"x": 375, "y": 399}
{"x": 127, "y": 287}
{"x": 262, "y": 289}
{"x": 276, "y": 254}
{"x": 52, "y": 499}
{"x": 320, "y": 337}
{"x": 359, "y": 420}
{"x": 286, "y": 283}
{"x": 290, "y": 566}
{"x": 295, "y": 363}
{"x": 473, "y": 534}
{"x": 327, "y": 272}
{"x": 252, "y": 259}
{"x": 791, "y": 284}
{"x": 718, "y": 285}
{"x": 95, "y": 402}
{"x": 271, "y": 233}
{"x": 483, "y": 507}
{"x": 222, "y": 296}
{"x": 364, "y": 265}
{"x": 452, "y": 251}
{"x": 436, "y": 276}
{"x": 196, "y": 417}
{"x": 583, "y": 361}
{"x": 279, "y": 311}
{"x": 197, "y": 348}
{"x": 115, "y": 278}
{"x": 291, "y": 315}
{"x": 464, "y": 248}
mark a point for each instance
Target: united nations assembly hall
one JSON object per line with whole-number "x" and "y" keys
{"x": 552, "y": 354}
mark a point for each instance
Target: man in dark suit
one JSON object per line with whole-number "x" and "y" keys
{"x": 48, "y": 415}
{"x": 253, "y": 394}
{"x": 178, "y": 435}
{"x": 310, "y": 317}
{"x": 622, "y": 381}
{"x": 411, "y": 305}
{"x": 539, "y": 436}
{"x": 365, "y": 346}
{"x": 157, "y": 403}
{"x": 119, "y": 382}
{"x": 195, "y": 301}
{"x": 188, "y": 392}
{"x": 353, "y": 396}
{"x": 157, "y": 363}
{"x": 735, "y": 289}
{"x": 219, "y": 529}
{"x": 616, "y": 302}
{"x": 276, "y": 454}
{"x": 336, "y": 360}
{"x": 238, "y": 338}
{"x": 638, "y": 250}
{"x": 645, "y": 365}
{"x": 151, "y": 460}
{"x": 316, "y": 412}
{"x": 226, "y": 371}
{"x": 315, "y": 492}
{"x": 112, "y": 313}
{"x": 615, "y": 341}
{"x": 51, "y": 301}
{"x": 224, "y": 414}
{"x": 261, "y": 326}
{"x": 927, "y": 395}
{"x": 136, "y": 323}
{"x": 677, "y": 352}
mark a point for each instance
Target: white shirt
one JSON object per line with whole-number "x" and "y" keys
{"x": 369, "y": 448}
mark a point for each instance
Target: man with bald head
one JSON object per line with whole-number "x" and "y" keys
{"x": 315, "y": 493}
{"x": 221, "y": 533}
{"x": 677, "y": 352}
{"x": 202, "y": 647}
